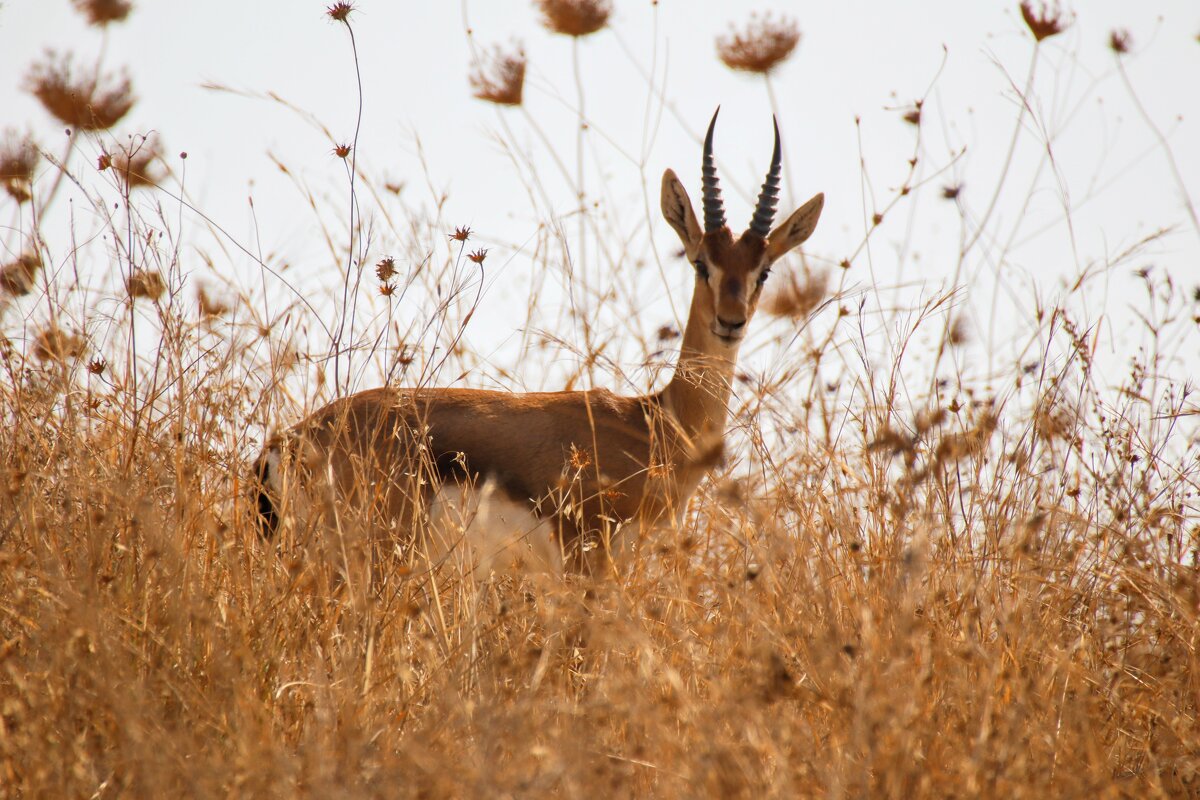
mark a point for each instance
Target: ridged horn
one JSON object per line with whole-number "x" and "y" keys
{"x": 764, "y": 212}
{"x": 714, "y": 208}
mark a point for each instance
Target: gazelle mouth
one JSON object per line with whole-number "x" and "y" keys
{"x": 727, "y": 338}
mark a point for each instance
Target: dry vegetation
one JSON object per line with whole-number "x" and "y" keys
{"x": 971, "y": 590}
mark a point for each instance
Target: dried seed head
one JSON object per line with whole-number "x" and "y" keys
{"x": 341, "y": 150}
{"x": 960, "y": 331}
{"x": 54, "y": 344}
{"x": 14, "y": 479}
{"x": 210, "y": 307}
{"x": 18, "y": 158}
{"x": 972, "y": 442}
{"x": 798, "y": 294}
{"x": 478, "y": 256}
{"x": 17, "y": 277}
{"x": 146, "y": 283}
{"x": 387, "y": 289}
{"x": 761, "y": 46}
{"x": 580, "y": 458}
{"x": 499, "y": 77}
{"x": 339, "y": 12}
{"x": 952, "y": 191}
{"x": 97, "y": 365}
{"x": 575, "y": 17}
{"x": 461, "y": 234}
{"x": 892, "y": 442}
{"x": 1119, "y": 41}
{"x": 102, "y": 12}
{"x": 913, "y": 115}
{"x": 139, "y": 164}
{"x": 1047, "y": 21}
{"x": 81, "y": 102}
{"x": 385, "y": 270}
{"x": 929, "y": 419}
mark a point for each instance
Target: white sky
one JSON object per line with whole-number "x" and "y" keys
{"x": 856, "y": 59}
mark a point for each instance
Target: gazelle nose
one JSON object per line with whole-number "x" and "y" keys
{"x": 729, "y": 324}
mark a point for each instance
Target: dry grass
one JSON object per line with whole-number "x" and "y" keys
{"x": 979, "y": 590}
{"x": 973, "y": 603}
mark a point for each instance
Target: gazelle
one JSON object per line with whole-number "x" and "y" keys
{"x": 581, "y": 462}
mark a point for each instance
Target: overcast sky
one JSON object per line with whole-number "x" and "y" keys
{"x": 857, "y": 60}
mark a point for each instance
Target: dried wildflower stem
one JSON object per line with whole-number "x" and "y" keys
{"x": 132, "y": 373}
{"x": 1025, "y": 108}
{"x": 981, "y": 225}
{"x": 350, "y": 297}
{"x": 1008, "y": 159}
{"x": 580, "y": 125}
{"x": 60, "y": 172}
{"x": 462, "y": 328}
{"x": 573, "y": 262}
{"x": 1168, "y": 153}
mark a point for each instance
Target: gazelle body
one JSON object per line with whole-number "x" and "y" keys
{"x": 587, "y": 461}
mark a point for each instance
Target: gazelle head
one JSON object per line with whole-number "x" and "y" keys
{"x": 730, "y": 272}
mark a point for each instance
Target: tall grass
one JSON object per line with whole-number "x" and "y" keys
{"x": 899, "y": 583}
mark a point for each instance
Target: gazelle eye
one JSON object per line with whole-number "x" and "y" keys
{"x": 762, "y": 276}
{"x": 701, "y": 269}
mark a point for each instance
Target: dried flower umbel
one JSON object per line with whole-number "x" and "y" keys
{"x": 1119, "y": 41}
{"x": 80, "y": 102}
{"x": 17, "y": 277}
{"x": 101, "y": 12}
{"x": 959, "y": 332}
{"x": 797, "y": 295}
{"x": 499, "y": 77}
{"x": 340, "y": 12}
{"x": 1045, "y": 22}
{"x": 385, "y": 270}
{"x": 763, "y": 45}
{"x": 138, "y": 165}
{"x": 18, "y": 158}
{"x": 210, "y": 307}
{"x": 575, "y": 17}
{"x": 54, "y": 344}
{"x": 146, "y": 283}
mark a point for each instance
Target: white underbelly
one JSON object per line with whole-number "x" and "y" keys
{"x": 483, "y": 530}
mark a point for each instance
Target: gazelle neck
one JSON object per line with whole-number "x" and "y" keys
{"x": 698, "y": 394}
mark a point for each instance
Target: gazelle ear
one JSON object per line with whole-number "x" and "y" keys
{"x": 798, "y": 227}
{"x": 677, "y": 208}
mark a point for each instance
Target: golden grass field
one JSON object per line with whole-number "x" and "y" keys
{"x": 893, "y": 586}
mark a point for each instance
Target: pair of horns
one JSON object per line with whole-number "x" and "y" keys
{"x": 768, "y": 198}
